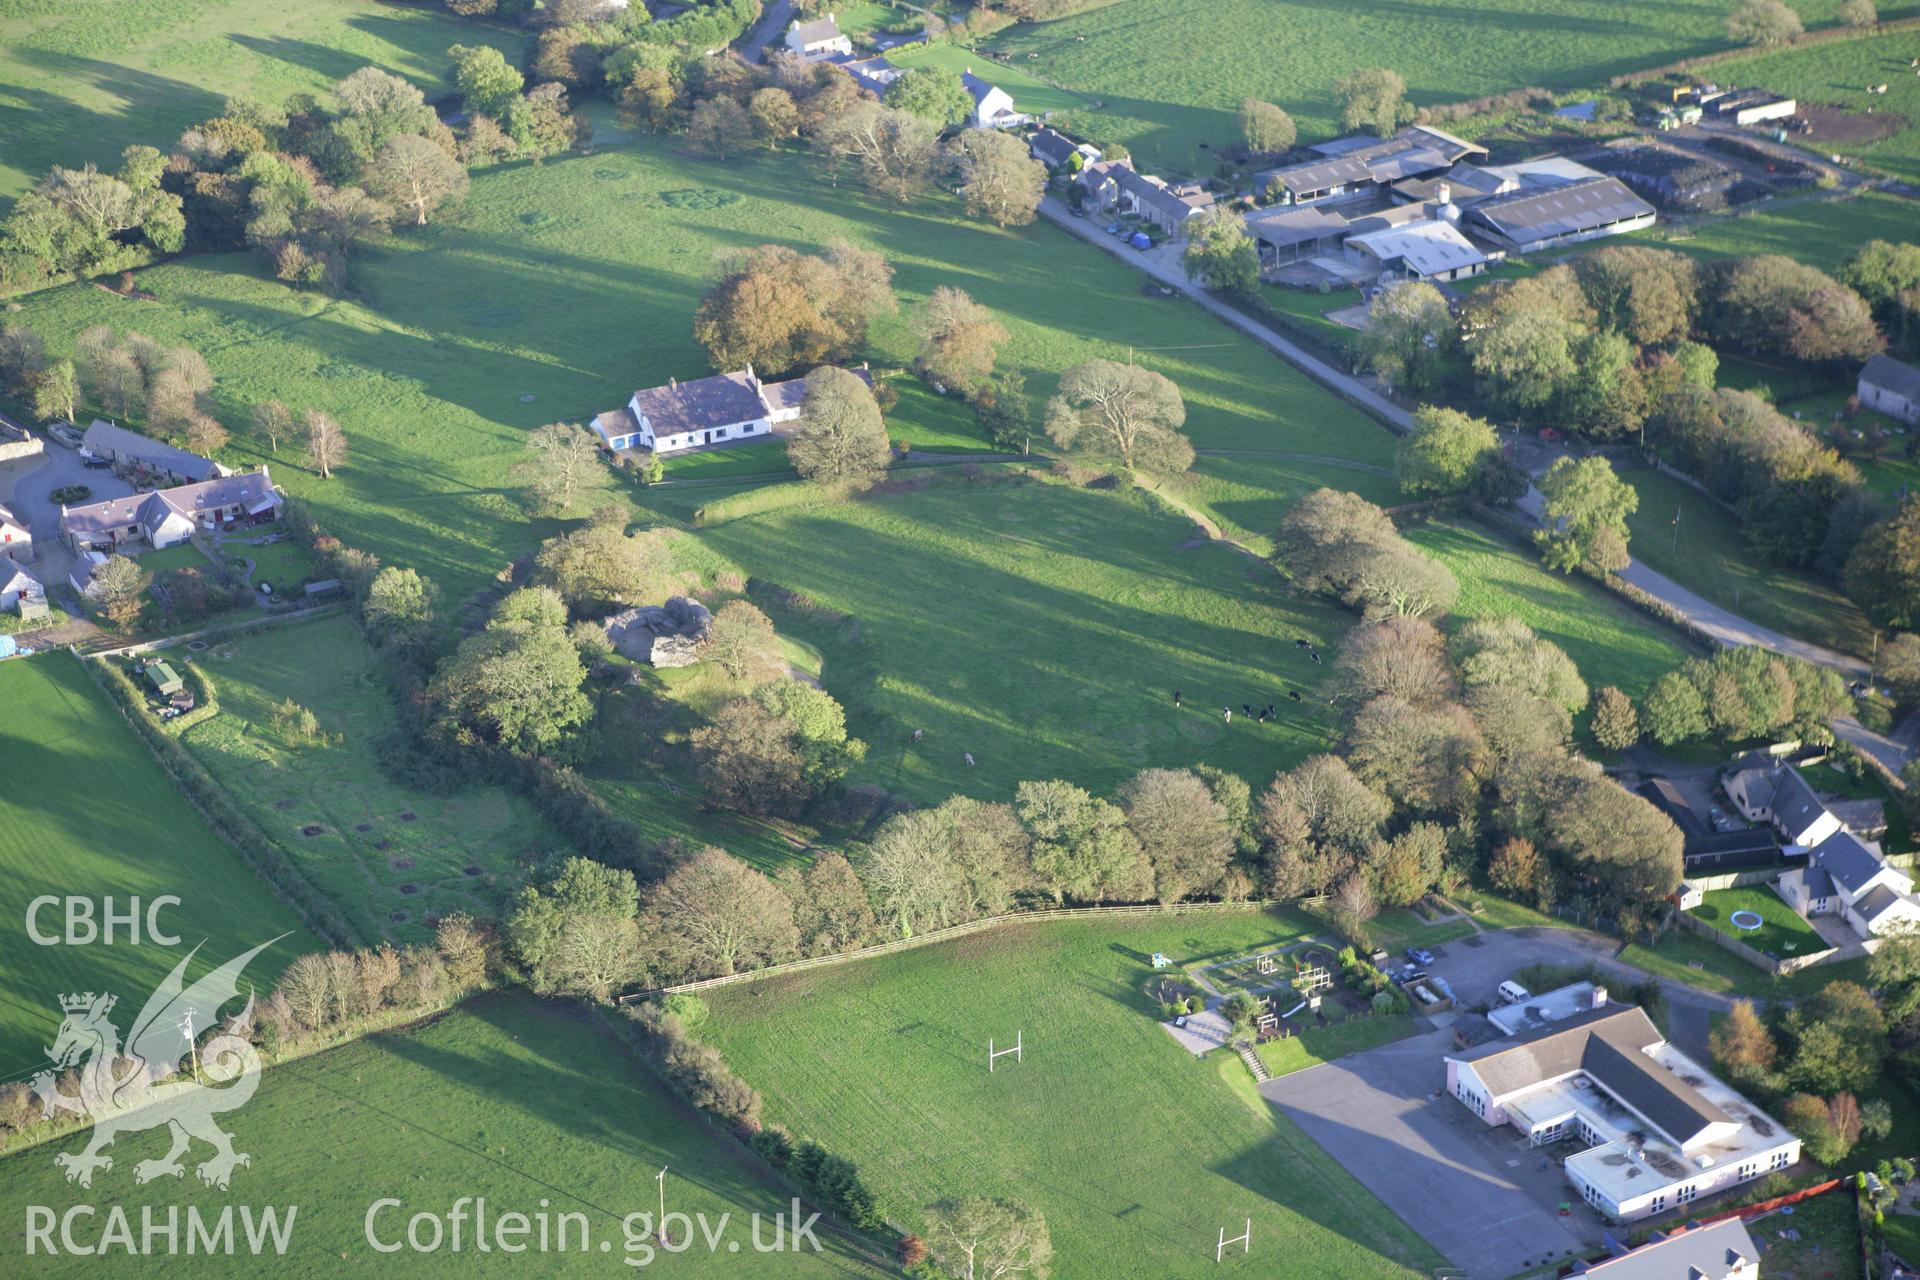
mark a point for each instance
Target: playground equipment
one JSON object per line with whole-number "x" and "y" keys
{"x": 1297, "y": 1008}
{"x": 1160, "y": 960}
{"x": 1266, "y": 963}
{"x": 1746, "y": 920}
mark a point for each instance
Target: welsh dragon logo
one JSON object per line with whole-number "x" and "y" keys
{"x": 131, "y": 1088}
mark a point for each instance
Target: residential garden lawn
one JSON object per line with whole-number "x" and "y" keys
{"x": 1134, "y": 1150}
{"x": 1611, "y": 642}
{"x": 1044, "y": 629}
{"x": 1030, "y": 93}
{"x": 285, "y": 564}
{"x": 80, "y": 79}
{"x": 1312, "y": 308}
{"x": 1837, "y": 73}
{"x": 1902, "y": 1232}
{"x": 1828, "y": 1247}
{"x": 338, "y": 786}
{"x": 533, "y": 1106}
{"x": 1678, "y": 953}
{"x": 1784, "y": 933}
{"x": 1822, "y": 232}
{"x": 1311, "y": 1048}
{"x": 182, "y": 555}
{"x": 1711, "y": 557}
{"x": 611, "y": 253}
{"x": 87, "y": 812}
{"x": 1171, "y": 74}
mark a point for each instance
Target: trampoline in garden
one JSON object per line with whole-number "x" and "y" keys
{"x": 1747, "y": 921}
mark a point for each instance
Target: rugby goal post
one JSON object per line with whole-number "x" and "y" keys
{"x": 1244, "y": 1240}
{"x": 993, "y": 1054}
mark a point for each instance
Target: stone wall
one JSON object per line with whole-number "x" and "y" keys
{"x": 31, "y": 447}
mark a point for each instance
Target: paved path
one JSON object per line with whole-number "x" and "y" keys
{"x": 773, "y": 24}
{"x": 1722, "y": 624}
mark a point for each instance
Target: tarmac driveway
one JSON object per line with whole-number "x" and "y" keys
{"x": 1478, "y": 1195}
{"x": 33, "y": 502}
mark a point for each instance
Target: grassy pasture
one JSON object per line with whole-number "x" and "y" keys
{"x": 1820, "y": 232}
{"x": 1709, "y": 555}
{"x": 80, "y": 79}
{"x": 1171, "y": 74}
{"x": 531, "y": 1105}
{"x": 1134, "y": 1150}
{"x": 575, "y": 281}
{"x": 1044, "y": 629}
{"x": 87, "y": 812}
{"x": 337, "y": 786}
{"x": 1609, "y": 641}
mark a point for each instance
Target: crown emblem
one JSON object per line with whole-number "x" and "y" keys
{"x": 84, "y": 1002}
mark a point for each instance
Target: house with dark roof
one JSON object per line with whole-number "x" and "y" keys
{"x": 1799, "y": 815}
{"x": 818, "y": 40}
{"x": 1655, "y": 1130}
{"x": 1156, "y": 201}
{"x": 167, "y": 517}
{"x": 1847, "y": 877}
{"x": 1056, "y": 150}
{"x": 1721, "y": 1250}
{"x": 726, "y": 409}
{"x": 117, "y": 444}
{"x": 1891, "y": 387}
{"x": 1583, "y": 209}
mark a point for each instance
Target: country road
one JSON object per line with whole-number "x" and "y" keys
{"x": 1721, "y": 624}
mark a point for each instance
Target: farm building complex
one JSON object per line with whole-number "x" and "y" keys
{"x": 167, "y": 517}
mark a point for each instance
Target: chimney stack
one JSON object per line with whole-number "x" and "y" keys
{"x": 1599, "y": 996}
{"x": 1443, "y": 193}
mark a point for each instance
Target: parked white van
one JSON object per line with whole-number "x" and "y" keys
{"x": 1513, "y": 993}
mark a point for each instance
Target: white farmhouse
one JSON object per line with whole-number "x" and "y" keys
{"x": 726, "y": 409}
{"x": 16, "y": 540}
{"x": 1891, "y": 387}
{"x": 819, "y": 39}
{"x": 1656, "y": 1130}
{"x": 992, "y": 106}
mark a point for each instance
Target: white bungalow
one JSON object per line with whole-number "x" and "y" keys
{"x": 819, "y": 39}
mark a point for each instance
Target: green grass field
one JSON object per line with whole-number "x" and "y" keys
{"x": 80, "y": 79}
{"x": 1044, "y": 629}
{"x": 1134, "y": 1149}
{"x": 531, "y": 1105}
{"x": 1608, "y": 640}
{"x": 1820, "y": 232}
{"x": 1311, "y": 1048}
{"x": 1030, "y": 93}
{"x": 285, "y": 564}
{"x": 1783, "y": 933}
{"x": 338, "y": 786}
{"x": 1707, "y": 553}
{"x": 86, "y": 812}
{"x": 1171, "y": 73}
{"x": 575, "y": 281}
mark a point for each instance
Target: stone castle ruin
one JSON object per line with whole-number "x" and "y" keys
{"x": 665, "y": 635}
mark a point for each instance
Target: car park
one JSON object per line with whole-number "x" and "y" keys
{"x": 1419, "y": 955}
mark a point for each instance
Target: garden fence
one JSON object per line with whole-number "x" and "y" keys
{"x": 1778, "y": 968}
{"x": 960, "y": 931}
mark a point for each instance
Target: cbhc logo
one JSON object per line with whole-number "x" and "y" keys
{"x": 83, "y": 928}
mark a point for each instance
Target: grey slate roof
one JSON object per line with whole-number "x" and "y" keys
{"x": 1843, "y": 856}
{"x": 719, "y": 401}
{"x": 1712, "y": 1252}
{"x": 1894, "y": 376}
{"x": 1795, "y": 806}
{"x": 818, "y": 31}
{"x": 1671, "y": 801}
{"x": 149, "y": 510}
{"x": 1608, "y": 1044}
{"x": 1759, "y": 785}
{"x": 104, "y": 437}
{"x": 790, "y": 394}
{"x": 1875, "y": 904}
{"x": 1051, "y": 147}
{"x": 1549, "y": 1052}
{"x": 1816, "y": 881}
{"x": 1526, "y": 217}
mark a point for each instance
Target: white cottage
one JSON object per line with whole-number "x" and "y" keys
{"x": 726, "y": 409}
{"x": 819, "y": 39}
{"x": 16, "y": 540}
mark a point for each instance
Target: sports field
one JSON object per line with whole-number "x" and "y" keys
{"x": 80, "y": 79}
{"x": 1171, "y": 73}
{"x": 575, "y": 281}
{"x": 85, "y": 811}
{"x": 1136, "y": 1151}
{"x": 387, "y": 855}
{"x": 530, "y": 1105}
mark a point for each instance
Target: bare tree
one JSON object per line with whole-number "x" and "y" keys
{"x": 204, "y": 434}
{"x": 741, "y": 640}
{"x": 417, "y": 175}
{"x": 326, "y": 443}
{"x": 566, "y": 459}
{"x": 718, "y": 913}
{"x": 273, "y": 420}
{"x": 1121, "y": 408}
{"x": 977, "y": 1238}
